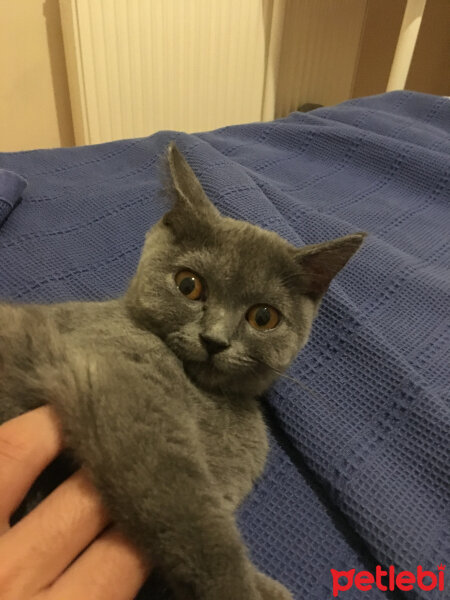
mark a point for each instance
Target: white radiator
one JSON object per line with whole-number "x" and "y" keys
{"x": 137, "y": 66}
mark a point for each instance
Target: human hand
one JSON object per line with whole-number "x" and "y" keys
{"x": 64, "y": 548}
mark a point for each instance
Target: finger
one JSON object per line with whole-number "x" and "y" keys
{"x": 27, "y": 445}
{"x": 40, "y": 546}
{"x": 110, "y": 569}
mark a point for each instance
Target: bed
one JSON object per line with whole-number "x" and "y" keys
{"x": 359, "y": 468}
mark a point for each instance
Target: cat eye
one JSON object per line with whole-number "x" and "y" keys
{"x": 189, "y": 284}
{"x": 263, "y": 317}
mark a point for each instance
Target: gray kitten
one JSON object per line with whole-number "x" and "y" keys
{"x": 157, "y": 391}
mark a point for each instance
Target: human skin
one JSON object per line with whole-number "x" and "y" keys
{"x": 66, "y": 547}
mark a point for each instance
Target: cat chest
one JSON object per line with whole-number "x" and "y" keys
{"x": 235, "y": 444}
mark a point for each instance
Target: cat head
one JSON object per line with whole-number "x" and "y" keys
{"x": 234, "y": 302}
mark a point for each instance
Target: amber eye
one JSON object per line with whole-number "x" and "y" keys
{"x": 263, "y": 317}
{"x": 189, "y": 284}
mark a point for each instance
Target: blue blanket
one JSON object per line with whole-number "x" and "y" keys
{"x": 358, "y": 474}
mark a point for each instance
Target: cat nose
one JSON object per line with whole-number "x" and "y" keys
{"x": 213, "y": 345}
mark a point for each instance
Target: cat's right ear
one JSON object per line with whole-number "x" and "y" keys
{"x": 192, "y": 205}
{"x": 321, "y": 262}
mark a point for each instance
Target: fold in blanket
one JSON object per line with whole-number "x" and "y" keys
{"x": 11, "y": 188}
{"x": 359, "y": 472}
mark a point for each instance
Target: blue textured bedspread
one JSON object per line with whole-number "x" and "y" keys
{"x": 359, "y": 469}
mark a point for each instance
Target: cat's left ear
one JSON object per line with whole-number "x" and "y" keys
{"x": 191, "y": 199}
{"x": 321, "y": 262}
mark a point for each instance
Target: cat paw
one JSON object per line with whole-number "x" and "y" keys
{"x": 269, "y": 589}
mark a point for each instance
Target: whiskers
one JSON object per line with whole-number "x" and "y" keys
{"x": 240, "y": 361}
{"x": 302, "y": 385}
{"x": 237, "y": 364}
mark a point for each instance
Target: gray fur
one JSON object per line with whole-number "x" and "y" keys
{"x": 172, "y": 437}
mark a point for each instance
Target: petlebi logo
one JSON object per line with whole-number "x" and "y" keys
{"x": 388, "y": 579}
